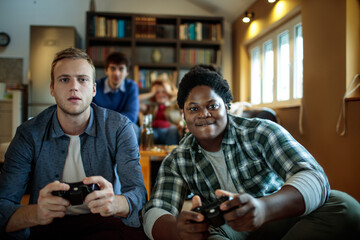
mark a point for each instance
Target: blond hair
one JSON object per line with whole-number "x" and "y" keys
{"x": 170, "y": 90}
{"x": 73, "y": 53}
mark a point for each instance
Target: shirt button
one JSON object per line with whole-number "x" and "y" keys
{"x": 199, "y": 151}
{"x": 57, "y": 176}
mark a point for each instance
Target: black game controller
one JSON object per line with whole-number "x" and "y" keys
{"x": 213, "y": 215}
{"x": 77, "y": 192}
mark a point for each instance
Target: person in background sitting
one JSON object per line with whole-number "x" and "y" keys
{"x": 116, "y": 91}
{"x": 166, "y": 118}
{"x": 73, "y": 141}
{"x": 276, "y": 188}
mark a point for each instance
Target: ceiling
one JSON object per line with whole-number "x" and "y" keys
{"x": 229, "y": 9}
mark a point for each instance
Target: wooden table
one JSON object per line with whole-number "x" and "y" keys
{"x": 145, "y": 162}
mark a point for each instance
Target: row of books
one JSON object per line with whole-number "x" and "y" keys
{"x": 187, "y": 55}
{"x": 200, "y": 31}
{"x": 145, "y": 27}
{"x": 110, "y": 27}
{"x": 198, "y": 56}
{"x": 98, "y": 54}
{"x": 144, "y": 77}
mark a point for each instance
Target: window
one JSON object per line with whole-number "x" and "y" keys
{"x": 277, "y": 66}
{"x": 255, "y": 76}
{"x": 298, "y": 62}
{"x": 268, "y": 72}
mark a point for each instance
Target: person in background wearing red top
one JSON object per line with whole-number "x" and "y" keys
{"x": 166, "y": 118}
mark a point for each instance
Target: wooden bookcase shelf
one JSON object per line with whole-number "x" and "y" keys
{"x": 155, "y": 44}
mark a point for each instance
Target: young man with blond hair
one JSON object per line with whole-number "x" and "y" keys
{"x": 72, "y": 141}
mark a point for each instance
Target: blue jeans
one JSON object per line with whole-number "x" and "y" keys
{"x": 166, "y": 136}
{"x": 338, "y": 218}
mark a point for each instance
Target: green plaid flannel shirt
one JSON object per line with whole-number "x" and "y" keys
{"x": 259, "y": 154}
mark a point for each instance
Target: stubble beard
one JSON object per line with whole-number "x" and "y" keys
{"x": 74, "y": 113}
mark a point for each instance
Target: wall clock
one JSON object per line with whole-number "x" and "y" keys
{"x": 4, "y": 39}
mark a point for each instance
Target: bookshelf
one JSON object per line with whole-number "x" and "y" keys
{"x": 155, "y": 44}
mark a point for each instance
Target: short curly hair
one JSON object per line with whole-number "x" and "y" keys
{"x": 117, "y": 58}
{"x": 198, "y": 76}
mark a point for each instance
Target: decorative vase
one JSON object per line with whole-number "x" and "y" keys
{"x": 92, "y": 5}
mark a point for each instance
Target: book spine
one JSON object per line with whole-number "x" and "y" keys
{"x": 108, "y": 28}
{"x": 114, "y": 28}
{"x": 182, "y": 32}
{"x": 121, "y": 28}
{"x": 219, "y": 32}
{"x": 206, "y": 31}
{"x": 198, "y": 31}
{"x": 128, "y": 28}
{"x": 191, "y": 31}
{"x": 137, "y": 27}
{"x": 143, "y": 28}
{"x": 102, "y": 27}
{"x": 92, "y": 26}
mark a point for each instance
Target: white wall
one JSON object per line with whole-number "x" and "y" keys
{"x": 16, "y": 17}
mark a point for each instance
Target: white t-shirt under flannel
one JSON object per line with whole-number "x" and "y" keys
{"x": 74, "y": 172}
